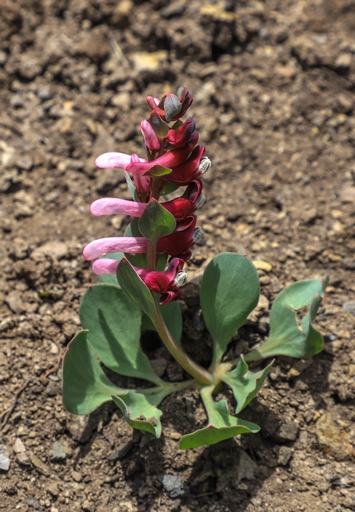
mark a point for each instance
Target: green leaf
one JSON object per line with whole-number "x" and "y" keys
{"x": 140, "y": 411}
{"x": 173, "y": 318}
{"x": 114, "y": 324}
{"x": 111, "y": 278}
{"x": 85, "y": 386}
{"x": 286, "y": 336}
{"x": 229, "y": 292}
{"x": 169, "y": 187}
{"x": 158, "y": 170}
{"x": 156, "y": 221}
{"x": 135, "y": 288}
{"x": 222, "y": 425}
{"x": 131, "y": 187}
{"x": 172, "y": 106}
{"x": 245, "y": 387}
{"x": 160, "y": 127}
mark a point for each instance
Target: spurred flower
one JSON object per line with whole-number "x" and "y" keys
{"x": 150, "y": 138}
{"x": 177, "y": 243}
{"x": 189, "y": 170}
{"x": 181, "y": 207}
{"x": 172, "y": 156}
{"x": 167, "y": 282}
{"x": 170, "y": 159}
{"x": 115, "y": 160}
{"x": 181, "y": 240}
{"x": 181, "y": 136}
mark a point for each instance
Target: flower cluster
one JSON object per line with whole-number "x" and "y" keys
{"x": 173, "y": 159}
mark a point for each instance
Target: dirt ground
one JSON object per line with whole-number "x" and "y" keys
{"x": 273, "y": 83}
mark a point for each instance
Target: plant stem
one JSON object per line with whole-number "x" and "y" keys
{"x": 168, "y": 388}
{"x": 152, "y": 255}
{"x": 200, "y": 374}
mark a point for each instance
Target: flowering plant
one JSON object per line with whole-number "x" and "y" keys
{"x": 141, "y": 275}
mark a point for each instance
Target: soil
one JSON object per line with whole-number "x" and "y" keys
{"x": 274, "y": 85}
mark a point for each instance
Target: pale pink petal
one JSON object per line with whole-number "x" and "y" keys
{"x": 114, "y": 160}
{"x": 114, "y": 206}
{"x": 104, "y": 266}
{"x": 102, "y": 246}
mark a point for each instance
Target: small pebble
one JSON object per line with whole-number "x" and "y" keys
{"x": 57, "y": 453}
{"x": 4, "y": 459}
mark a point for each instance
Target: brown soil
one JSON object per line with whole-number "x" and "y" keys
{"x": 274, "y": 86}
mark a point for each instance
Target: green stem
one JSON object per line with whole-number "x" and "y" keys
{"x": 168, "y": 388}
{"x": 200, "y": 374}
{"x": 152, "y": 255}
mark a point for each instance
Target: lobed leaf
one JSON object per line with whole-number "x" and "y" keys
{"x": 229, "y": 292}
{"x": 286, "y": 336}
{"x": 140, "y": 411}
{"x": 245, "y": 387}
{"x": 222, "y": 425}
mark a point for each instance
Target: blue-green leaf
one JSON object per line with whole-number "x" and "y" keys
{"x": 287, "y": 337}
{"x": 156, "y": 221}
{"x": 114, "y": 324}
{"x": 140, "y": 411}
{"x": 222, "y": 425}
{"x": 85, "y": 386}
{"x": 245, "y": 386}
{"x": 135, "y": 288}
{"x": 229, "y": 292}
{"x": 172, "y": 317}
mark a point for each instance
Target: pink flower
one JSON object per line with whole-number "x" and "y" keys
{"x": 150, "y": 138}
{"x": 177, "y": 243}
{"x": 181, "y": 207}
{"x": 168, "y": 282}
{"x": 181, "y": 240}
{"x": 170, "y": 159}
{"x": 189, "y": 169}
{"x": 181, "y": 136}
{"x": 102, "y": 246}
{"x": 114, "y": 161}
